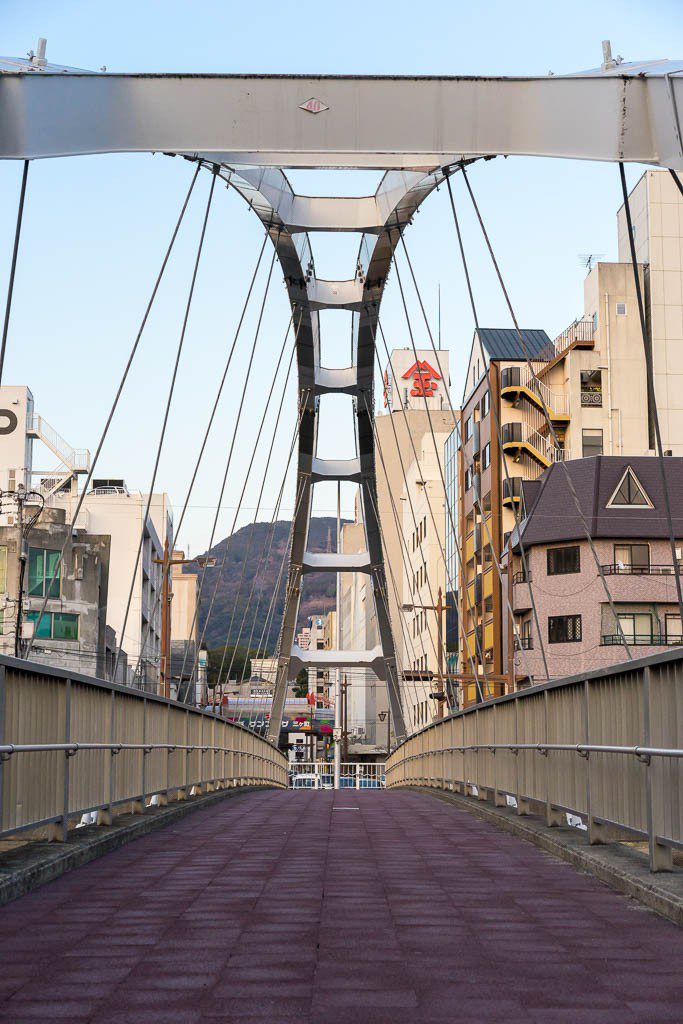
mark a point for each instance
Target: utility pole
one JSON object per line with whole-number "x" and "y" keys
{"x": 22, "y": 498}
{"x": 440, "y": 607}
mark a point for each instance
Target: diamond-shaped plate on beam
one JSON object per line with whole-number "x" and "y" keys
{"x": 314, "y": 106}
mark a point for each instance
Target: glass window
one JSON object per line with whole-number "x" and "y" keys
{"x": 632, "y": 558}
{"x": 564, "y": 629}
{"x": 629, "y": 492}
{"x": 562, "y": 561}
{"x": 486, "y": 457}
{"x": 469, "y": 427}
{"x": 42, "y": 629}
{"x": 3, "y": 570}
{"x": 65, "y": 626}
{"x": 591, "y": 443}
{"x": 636, "y": 627}
{"x": 674, "y": 634}
{"x": 43, "y": 566}
{"x": 485, "y": 404}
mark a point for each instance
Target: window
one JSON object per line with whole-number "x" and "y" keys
{"x": 564, "y": 629}
{"x": 591, "y": 387}
{"x": 485, "y": 404}
{"x": 42, "y": 567}
{"x": 595, "y": 322}
{"x": 468, "y": 478}
{"x": 621, "y": 306}
{"x": 632, "y": 558}
{"x": 562, "y": 561}
{"x": 3, "y": 570}
{"x": 469, "y": 427}
{"x": 636, "y": 627}
{"x": 54, "y": 625}
{"x": 629, "y": 493}
{"x": 486, "y": 456}
{"x": 591, "y": 443}
{"x": 674, "y": 634}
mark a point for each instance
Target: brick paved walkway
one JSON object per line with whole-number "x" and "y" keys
{"x": 316, "y": 908}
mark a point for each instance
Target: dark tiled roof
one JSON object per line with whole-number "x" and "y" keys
{"x": 504, "y": 342}
{"x": 551, "y": 512}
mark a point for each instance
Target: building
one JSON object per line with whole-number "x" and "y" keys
{"x": 72, "y": 631}
{"x": 416, "y": 384}
{"x": 422, "y": 507}
{"x": 622, "y": 499}
{"x": 110, "y": 507}
{"x": 591, "y": 381}
{"x": 367, "y": 704}
{"x": 185, "y": 664}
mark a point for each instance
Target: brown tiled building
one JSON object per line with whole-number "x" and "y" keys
{"x": 622, "y": 500}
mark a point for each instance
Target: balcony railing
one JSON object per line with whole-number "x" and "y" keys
{"x": 591, "y": 398}
{"x": 523, "y": 576}
{"x": 521, "y": 433}
{"x": 642, "y": 640}
{"x": 578, "y": 333}
{"x": 619, "y": 569}
{"x": 524, "y": 643}
{"x": 521, "y": 377}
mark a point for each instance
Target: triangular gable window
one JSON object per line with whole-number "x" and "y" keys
{"x": 629, "y": 493}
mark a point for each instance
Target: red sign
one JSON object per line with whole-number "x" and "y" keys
{"x": 424, "y": 379}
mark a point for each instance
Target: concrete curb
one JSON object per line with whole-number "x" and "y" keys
{"x": 619, "y": 866}
{"x": 33, "y": 865}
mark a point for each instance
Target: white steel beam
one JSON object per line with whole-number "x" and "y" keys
{"x": 385, "y": 122}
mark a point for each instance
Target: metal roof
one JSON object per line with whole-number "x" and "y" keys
{"x": 504, "y": 342}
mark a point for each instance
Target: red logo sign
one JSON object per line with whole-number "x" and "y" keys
{"x": 424, "y": 379}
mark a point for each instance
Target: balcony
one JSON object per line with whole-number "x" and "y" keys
{"x": 591, "y": 399}
{"x": 642, "y": 640}
{"x": 524, "y": 643}
{"x": 522, "y": 576}
{"x": 519, "y": 382}
{"x": 512, "y": 491}
{"x": 637, "y": 570}
{"x": 521, "y": 593}
{"x": 521, "y": 437}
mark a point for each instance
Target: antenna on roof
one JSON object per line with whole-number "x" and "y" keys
{"x": 589, "y": 259}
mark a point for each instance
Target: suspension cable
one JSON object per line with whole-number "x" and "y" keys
{"x": 13, "y": 267}
{"x": 256, "y": 513}
{"x": 478, "y": 497}
{"x": 679, "y": 184}
{"x": 79, "y": 504}
{"x": 551, "y": 427}
{"x": 652, "y": 398}
{"x": 167, "y": 410}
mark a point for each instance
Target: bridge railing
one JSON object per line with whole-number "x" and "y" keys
{"x": 606, "y": 746}
{"x": 71, "y": 744}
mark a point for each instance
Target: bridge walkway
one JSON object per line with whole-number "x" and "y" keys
{"x": 319, "y": 908}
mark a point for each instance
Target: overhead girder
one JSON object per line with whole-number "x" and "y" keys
{"x": 627, "y": 112}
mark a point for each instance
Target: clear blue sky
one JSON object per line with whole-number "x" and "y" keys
{"x": 95, "y": 227}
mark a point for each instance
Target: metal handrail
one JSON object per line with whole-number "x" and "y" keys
{"x": 615, "y": 569}
{"x": 642, "y": 640}
{"x": 543, "y": 748}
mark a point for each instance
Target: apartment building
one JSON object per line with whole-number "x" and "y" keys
{"x": 110, "y": 507}
{"x": 590, "y": 382}
{"x": 622, "y": 500}
{"x": 69, "y": 630}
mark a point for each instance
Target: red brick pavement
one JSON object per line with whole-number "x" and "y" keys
{"x": 316, "y": 908}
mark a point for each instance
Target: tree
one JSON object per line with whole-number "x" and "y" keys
{"x": 241, "y": 663}
{"x": 301, "y": 684}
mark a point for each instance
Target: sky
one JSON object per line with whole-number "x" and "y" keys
{"x": 95, "y": 230}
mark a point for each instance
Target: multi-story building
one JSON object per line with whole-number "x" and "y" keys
{"x": 185, "y": 662}
{"x": 422, "y": 506}
{"x": 71, "y": 632}
{"x": 416, "y": 400}
{"x": 590, "y": 382}
{"x": 110, "y": 507}
{"x": 622, "y": 501}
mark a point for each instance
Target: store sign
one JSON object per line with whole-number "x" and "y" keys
{"x": 424, "y": 379}
{"x": 261, "y": 691}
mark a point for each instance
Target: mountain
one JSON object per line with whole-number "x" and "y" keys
{"x": 242, "y": 555}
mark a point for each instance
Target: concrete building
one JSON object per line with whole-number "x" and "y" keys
{"x": 412, "y": 384}
{"x": 184, "y": 593}
{"x": 110, "y": 507}
{"x": 622, "y": 499}
{"x": 592, "y": 382}
{"x": 423, "y": 522}
{"x": 72, "y": 632}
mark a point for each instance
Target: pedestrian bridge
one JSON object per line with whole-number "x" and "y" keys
{"x": 273, "y": 904}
